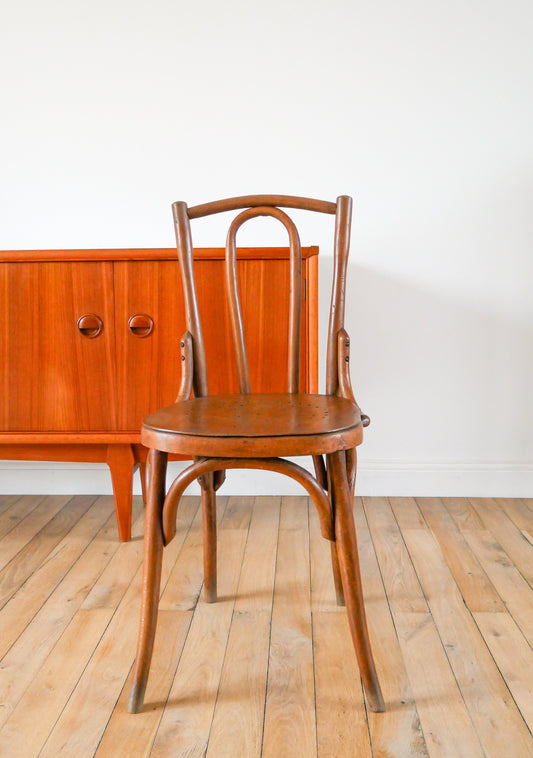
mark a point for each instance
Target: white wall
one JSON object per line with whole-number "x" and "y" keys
{"x": 423, "y": 111}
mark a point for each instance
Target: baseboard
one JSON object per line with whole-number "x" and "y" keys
{"x": 375, "y": 477}
{"x": 445, "y": 478}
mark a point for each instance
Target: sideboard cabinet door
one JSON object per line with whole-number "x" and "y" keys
{"x": 57, "y": 374}
{"x": 148, "y": 364}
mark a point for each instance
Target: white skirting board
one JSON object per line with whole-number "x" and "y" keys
{"x": 375, "y": 477}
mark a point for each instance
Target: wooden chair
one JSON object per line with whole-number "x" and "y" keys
{"x": 253, "y": 430}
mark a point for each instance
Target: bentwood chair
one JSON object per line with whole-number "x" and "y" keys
{"x": 254, "y": 430}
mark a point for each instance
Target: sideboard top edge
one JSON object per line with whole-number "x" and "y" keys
{"x": 145, "y": 254}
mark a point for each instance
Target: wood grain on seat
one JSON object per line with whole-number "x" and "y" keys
{"x": 225, "y": 425}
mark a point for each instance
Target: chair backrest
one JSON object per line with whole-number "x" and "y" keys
{"x": 264, "y": 205}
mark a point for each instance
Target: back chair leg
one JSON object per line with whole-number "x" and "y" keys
{"x": 351, "y": 579}
{"x": 339, "y": 592}
{"x": 209, "y": 523}
{"x": 351, "y": 468}
{"x": 144, "y": 487}
{"x": 153, "y": 556}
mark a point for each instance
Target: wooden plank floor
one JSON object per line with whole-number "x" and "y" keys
{"x": 269, "y": 670}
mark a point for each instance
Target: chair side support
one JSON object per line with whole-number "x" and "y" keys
{"x": 278, "y": 465}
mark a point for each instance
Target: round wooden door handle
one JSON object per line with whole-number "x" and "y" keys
{"x": 90, "y": 325}
{"x": 141, "y": 325}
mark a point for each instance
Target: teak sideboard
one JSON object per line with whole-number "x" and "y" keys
{"x": 89, "y": 345}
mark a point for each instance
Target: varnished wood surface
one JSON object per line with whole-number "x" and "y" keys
{"x": 55, "y": 380}
{"x": 254, "y": 201}
{"x": 144, "y": 254}
{"x": 269, "y": 669}
{"x": 257, "y": 415}
{"x": 259, "y": 429}
{"x": 295, "y": 294}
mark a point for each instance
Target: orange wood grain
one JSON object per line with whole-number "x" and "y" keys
{"x": 148, "y": 369}
{"x": 54, "y": 378}
{"x": 146, "y": 254}
{"x": 55, "y": 381}
{"x": 310, "y": 368}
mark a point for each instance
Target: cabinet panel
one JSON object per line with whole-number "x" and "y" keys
{"x": 264, "y": 295}
{"x": 149, "y": 368}
{"x": 54, "y": 378}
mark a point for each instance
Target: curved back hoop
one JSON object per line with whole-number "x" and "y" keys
{"x": 264, "y": 205}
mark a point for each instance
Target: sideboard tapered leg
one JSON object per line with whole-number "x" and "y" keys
{"x": 121, "y": 461}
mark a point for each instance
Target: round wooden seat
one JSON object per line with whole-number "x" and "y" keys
{"x": 255, "y": 425}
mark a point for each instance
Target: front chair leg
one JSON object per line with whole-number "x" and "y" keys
{"x": 351, "y": 579}
{"x": 153, "y": 556}
{"x": 209, "y": 523}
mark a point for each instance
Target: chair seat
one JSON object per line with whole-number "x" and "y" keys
{"x": 255, "y": 425}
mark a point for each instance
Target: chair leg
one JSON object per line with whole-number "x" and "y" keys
{"x": 351, "y": 579}
{"x": 209, "y": 523}
{"x": 153, "y": 556}
{"x": 320, "y": 471}
{"x": 144, "y": 488}
{"x": 339, "y": 592}
{"x": 351, "y": 468}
